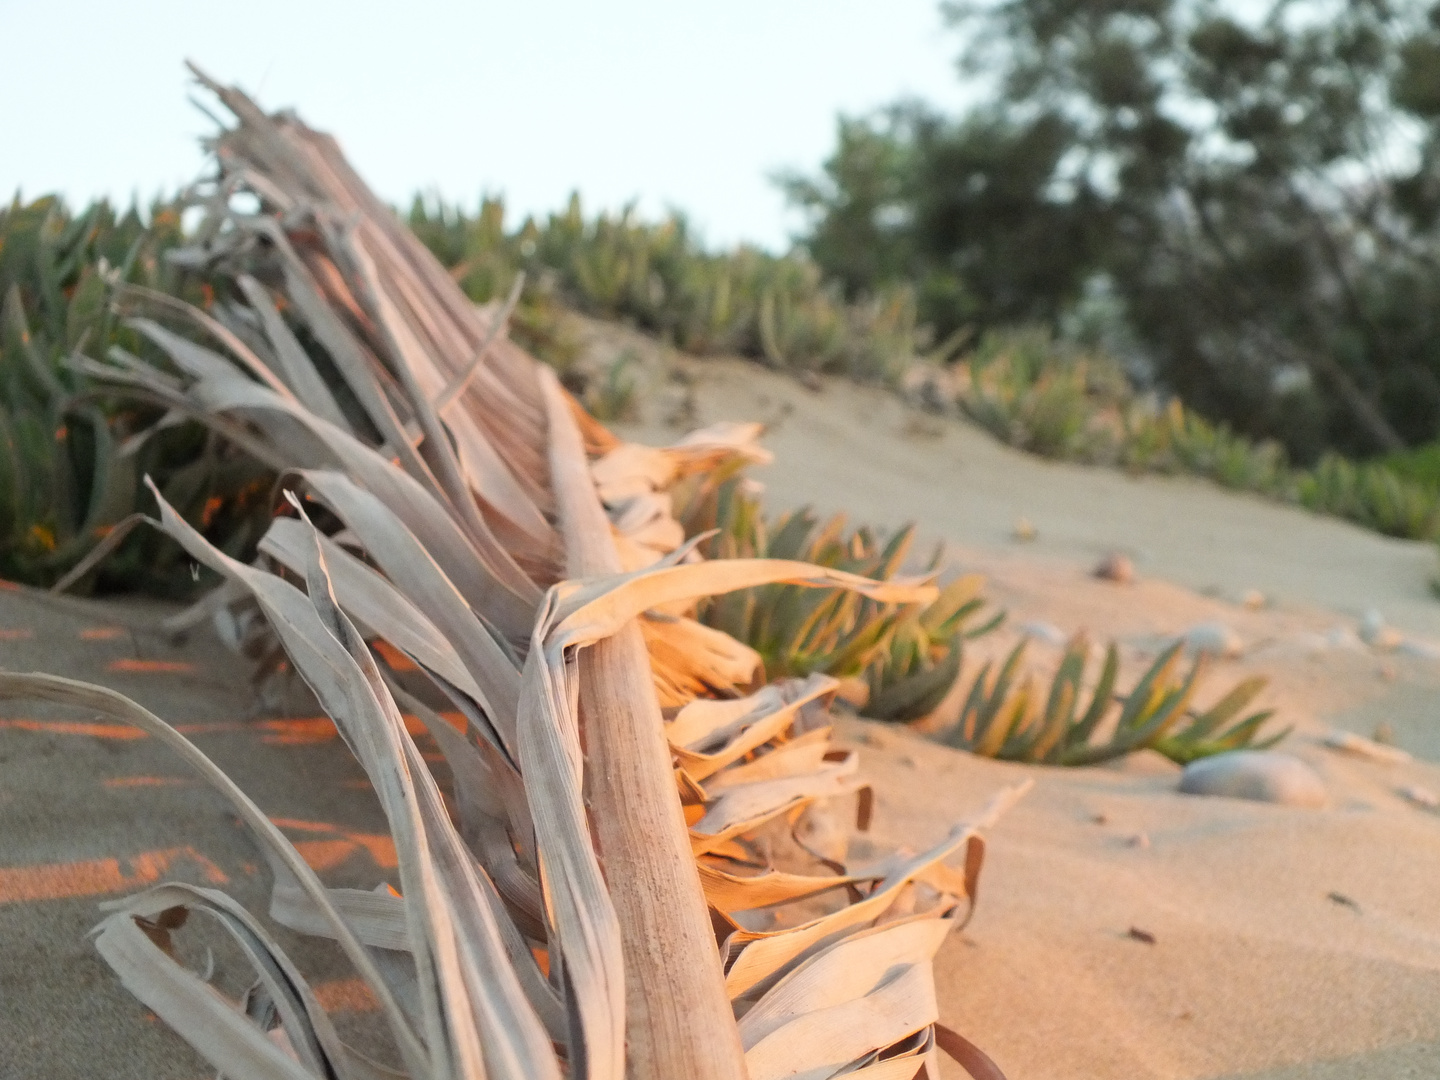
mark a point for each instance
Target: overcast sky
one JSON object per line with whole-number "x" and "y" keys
{"x": 674, "y": 103}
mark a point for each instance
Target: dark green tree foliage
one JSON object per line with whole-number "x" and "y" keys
{"x": 1260, "y": 194}
{"x": 963, "y": 210}
{"x": 865, "y": 204}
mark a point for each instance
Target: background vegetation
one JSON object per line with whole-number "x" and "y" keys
{"x": 1059, "y": 400}
{"x": 779, "y": 310}
{"x": 1242, "y": 204}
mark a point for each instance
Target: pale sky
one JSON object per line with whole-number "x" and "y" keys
{"x": 672, "y": 103}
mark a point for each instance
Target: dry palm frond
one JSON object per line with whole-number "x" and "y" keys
{"x": 528, "y": 563}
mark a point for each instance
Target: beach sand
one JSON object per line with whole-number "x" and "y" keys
{"x": 1287, "y": 942}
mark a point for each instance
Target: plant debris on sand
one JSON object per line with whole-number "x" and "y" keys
{"x": 619, "y": 890}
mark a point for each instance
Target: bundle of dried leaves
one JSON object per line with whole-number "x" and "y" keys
{"x": 605, "y": 900}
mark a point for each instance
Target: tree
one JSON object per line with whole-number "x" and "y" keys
{"x": 1261, "y": 194}
{"x": 961, "y": 210}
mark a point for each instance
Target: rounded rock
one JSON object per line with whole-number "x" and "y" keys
{"x": 1214, "y": 638}
{"x": 1377, "y": 633}
{"x": 1047, "y": 633}
{"x": 1262, "y": 775}
{"x": 1116, "y": 566}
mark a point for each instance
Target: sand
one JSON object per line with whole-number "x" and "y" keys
{"x": 90, "y": 812}
{"x": 1283, "y": 938}
{"x": 1287, "y": 943}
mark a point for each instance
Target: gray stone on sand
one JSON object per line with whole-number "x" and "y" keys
{"x": 1262, "y": 775}
{"x": 1116, "y": 566}
{"x": 1045, "y": 632}
{"x": 1420, "y": 796}
{"x": 1214, "y": 638}
{"x": 1425, "y": 650}
{"x": 1377, "y": 633}
{"x": 1342, "y": 637}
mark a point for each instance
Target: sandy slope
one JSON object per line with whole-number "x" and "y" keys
{"x": 864, "y": 451}
{"x": 1289, "y": 943}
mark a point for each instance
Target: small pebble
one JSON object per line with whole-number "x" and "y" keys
{"x": 1384, "y": 733}
{"x": 1342, "y": 637}
{"x": 1049, "y": 633}
{"x": 1420, "y": 796}
{"x": 1342, "y": 900}
{"x": 1351, "y": 743}
{"x": 1376, "y": 633}
{"x": 1262, "y": 775}
{"x": 1140, "y": 935}
{"x": 1139, "y": 840}
{"x": 1253, "y": 599}
{"x": 1424, "y": 650}
{"x": 1117, "y": 567}
{"x": 1024, "y": 529}
{"x": 1214, "y": 638}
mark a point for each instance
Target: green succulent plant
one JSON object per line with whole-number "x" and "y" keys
{"x": 71, "y": 459}
{"x": 1373, "y": 495}
{"x": 922, "y": 660}
{"x": 1046, "y": 397}
{"x": 908, "y": 657}
{"x": 1016, "y": 719}
{"x": 911, "y": 658}
{"x": 612, "y": 397}
{"x": 1031, "y": 393}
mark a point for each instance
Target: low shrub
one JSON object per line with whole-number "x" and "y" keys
{"x": 1052, "y": 399}
{"x": 658, "y": 276}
